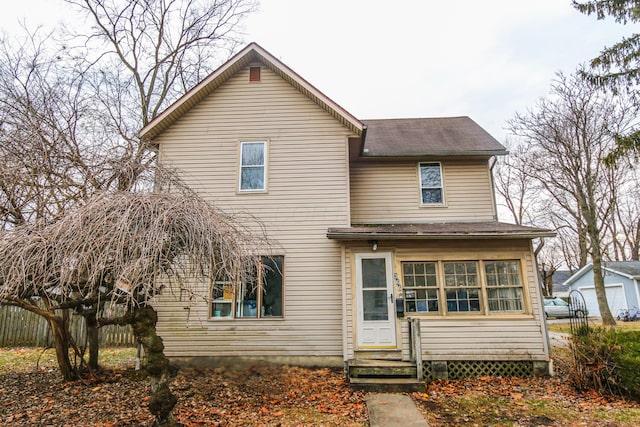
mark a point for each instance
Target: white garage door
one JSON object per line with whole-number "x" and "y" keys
{"x": 615, "y": 298}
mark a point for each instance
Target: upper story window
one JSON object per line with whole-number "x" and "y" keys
{"x": 253, "y": 166}
{"x": 431, "y": 189}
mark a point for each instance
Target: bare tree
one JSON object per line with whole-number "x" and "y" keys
{"x": 624, "y": 230}
{"x": 569, "y": 134}
{"x": 550, "y": 260}
{"x": 124, "y": 248}
{"x": 70, "y": 114}
{"x": 48, "y": 161}
{"x": 517, "y": 192}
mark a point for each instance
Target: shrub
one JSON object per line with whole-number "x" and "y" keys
{"x": 608, "y": 361}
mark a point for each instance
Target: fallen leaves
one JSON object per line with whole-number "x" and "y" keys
{"x": 294, "y": 396}
{"x": 268, "y": 395}
{"x": 539, "y": 401}
{"x": 255, "y": 396}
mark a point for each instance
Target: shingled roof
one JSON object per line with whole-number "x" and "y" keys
{"x": 443, "y": 136}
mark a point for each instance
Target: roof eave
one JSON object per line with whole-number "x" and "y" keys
{"x": 463, "y": 153}
{"x": 439, "y": 236}
{"x": 620, "y": 273}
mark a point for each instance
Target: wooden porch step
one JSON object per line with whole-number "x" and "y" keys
{"x": 388, "y": 385}
{"x": 384, "y": 375}
{"x": 367, "y": 368}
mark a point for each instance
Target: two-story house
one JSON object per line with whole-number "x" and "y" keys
{"x": 387, "y": 244}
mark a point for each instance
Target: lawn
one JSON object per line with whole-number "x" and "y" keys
{"x": 31, "y": 393}
{"x": 510, "y": 402}
{"x": 566, "y": 327}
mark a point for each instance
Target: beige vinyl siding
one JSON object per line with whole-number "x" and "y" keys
{"x": 389, "y": 192}
{"x": 458, "y": 336}
{"x": 307, "y": 192}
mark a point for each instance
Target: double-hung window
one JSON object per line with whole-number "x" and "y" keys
{"x": 504, "y": 286}
{"x": 420, "y": 287}
{"x": 431, "y": 188}
{"x": 462, "y": 286}
{"x": 260, "y": 295}
{"x": 253, "y": 166}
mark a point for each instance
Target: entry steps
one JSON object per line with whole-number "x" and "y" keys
{"x": 384, "y": 375}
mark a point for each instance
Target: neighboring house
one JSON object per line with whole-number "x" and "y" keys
{"x": 620, "y": 281}
{"x": 388, "y": 246}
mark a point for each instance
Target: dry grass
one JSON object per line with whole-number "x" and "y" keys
{"x": 566, "y": 327}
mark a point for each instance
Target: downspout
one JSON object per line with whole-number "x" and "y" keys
{"x": 363, "y": 137}
{"x": 494, "y": 160}
{"x": 541, "y": 302}
{"x": 345, "y": 321}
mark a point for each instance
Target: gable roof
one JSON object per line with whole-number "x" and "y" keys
{"x": 444, "y": 136}
{"x": 628, "y": 269}
{"x": 252, "y": 53}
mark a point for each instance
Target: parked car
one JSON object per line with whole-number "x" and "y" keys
{"x": 556, "y": 307}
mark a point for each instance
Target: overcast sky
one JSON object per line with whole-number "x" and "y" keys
{"x": 414, "y": 58}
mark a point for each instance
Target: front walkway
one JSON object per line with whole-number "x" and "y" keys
{"x": 393, "y": 410}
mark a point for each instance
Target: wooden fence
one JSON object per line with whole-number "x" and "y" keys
{"x": 21, "y": 328}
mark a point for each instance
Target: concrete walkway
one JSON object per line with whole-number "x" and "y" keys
{"x": 393, "y": 410}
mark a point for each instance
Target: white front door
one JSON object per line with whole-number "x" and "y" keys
{"x": 376, "y": 319}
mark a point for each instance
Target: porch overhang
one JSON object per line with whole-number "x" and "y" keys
{"x": 438, "y": 231}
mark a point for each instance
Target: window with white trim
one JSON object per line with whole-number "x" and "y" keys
{"x": 504, "y": 286}
{"x": 253, "y": 166}
{"x": 431, "y": 188}
{"x": 259, "y": 296}
{"x": 475, "y": 287}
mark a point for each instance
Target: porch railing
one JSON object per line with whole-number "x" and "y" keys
{"x": 415, "y": 345}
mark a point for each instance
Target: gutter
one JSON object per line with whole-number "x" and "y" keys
{"x": 421, "y": 236}
{"x": 449, "y": 153}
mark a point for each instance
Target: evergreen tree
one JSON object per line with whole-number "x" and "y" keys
{"x": 618, "y": 66}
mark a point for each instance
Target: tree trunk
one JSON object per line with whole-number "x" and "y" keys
{"x": 157, "y": 365}
{"x": 60, "y": 331}
{"x": 93, "y": 336}
{"x": 601, "y": 296}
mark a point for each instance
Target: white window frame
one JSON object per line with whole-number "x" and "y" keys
{"x": 241, "y": 167}
{"x": 440, "y": 187}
